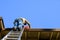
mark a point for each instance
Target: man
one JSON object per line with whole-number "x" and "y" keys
{"x": 21, "y": 22}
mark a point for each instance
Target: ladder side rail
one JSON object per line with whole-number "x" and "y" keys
{"x": 6, "y": 35}
{"x": 21, "y": 34}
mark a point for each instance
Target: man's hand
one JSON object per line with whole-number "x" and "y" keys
{"x": 26, "y": 27}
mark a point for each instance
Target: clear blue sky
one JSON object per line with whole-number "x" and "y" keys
{"x": 40, "y": 13}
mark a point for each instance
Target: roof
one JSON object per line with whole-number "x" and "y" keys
{"x": 40, "y": 34}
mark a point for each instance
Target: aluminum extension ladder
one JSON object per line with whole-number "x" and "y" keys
{"x": 14, "y": 35}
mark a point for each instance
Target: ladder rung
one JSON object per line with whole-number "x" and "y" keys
{"x": 14, "y": 34}
{"x": 11, "y": 38}
{"x": 15, "y": 31}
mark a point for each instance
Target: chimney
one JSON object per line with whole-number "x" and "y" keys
{"x": 1, "y": 24}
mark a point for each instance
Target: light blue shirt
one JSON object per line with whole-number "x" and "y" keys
{"x": 20, "y": 23}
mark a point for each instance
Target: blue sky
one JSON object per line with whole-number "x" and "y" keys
{"x": 40, "y": 13}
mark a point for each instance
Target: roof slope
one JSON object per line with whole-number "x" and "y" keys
{"x": 40, "y": 34}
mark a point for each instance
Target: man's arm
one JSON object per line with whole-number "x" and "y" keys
{"x": 28, "y": 23}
